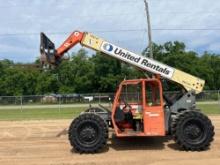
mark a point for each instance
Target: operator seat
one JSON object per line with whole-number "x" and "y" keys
{"x": 119, "y": 115}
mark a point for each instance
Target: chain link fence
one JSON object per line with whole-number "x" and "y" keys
{"x": 209, "y": 96}
{"x": 55, "y": 101}
{"x": 79, "y": 100}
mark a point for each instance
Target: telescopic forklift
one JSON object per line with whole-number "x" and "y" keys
{"x": 140, "y": 108}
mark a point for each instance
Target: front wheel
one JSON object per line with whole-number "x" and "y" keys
{"x": 88, "y": 133}
{"x": 192, "y": 130}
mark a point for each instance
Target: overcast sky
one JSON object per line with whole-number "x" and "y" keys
{"x": 23, "y": 20}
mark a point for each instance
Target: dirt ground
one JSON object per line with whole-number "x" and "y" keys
{"x": 35, "y": 142}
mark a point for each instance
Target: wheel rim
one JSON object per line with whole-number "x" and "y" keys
{"x": 88, "y": 133}
{"x": 194, "y": 131}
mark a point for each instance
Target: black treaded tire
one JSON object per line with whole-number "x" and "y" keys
{"x": 88, "y": 133}
{"x": 192, "y": 130}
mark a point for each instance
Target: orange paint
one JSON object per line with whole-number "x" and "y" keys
{"x": 72, "y": 40}
{"x": 152, "y": 109}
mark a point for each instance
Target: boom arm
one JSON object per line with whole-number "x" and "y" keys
{"x": 53, "y": 56}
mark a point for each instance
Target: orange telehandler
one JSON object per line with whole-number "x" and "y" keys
{"x": 140, "y": 107}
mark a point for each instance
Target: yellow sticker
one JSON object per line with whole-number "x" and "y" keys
{"x": 92, "y": 41}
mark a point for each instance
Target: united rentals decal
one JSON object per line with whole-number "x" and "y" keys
{"x": 137, "y": 60}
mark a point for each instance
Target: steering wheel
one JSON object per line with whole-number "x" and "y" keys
{"x": 127, "y": 108}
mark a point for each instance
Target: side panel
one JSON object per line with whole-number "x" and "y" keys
{"x": 154, "y": 124}
{"x": 137, "y": 60}
{"x": 188, "y": 81}
{"x": 147, "y": 64}
{"x": 153, "y": 115}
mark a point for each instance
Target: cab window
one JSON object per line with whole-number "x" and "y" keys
{"x": 131, "y": 93}
{"x": 152, "y": 94}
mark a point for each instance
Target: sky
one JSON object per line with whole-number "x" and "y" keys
{"x": 122, "y": 22}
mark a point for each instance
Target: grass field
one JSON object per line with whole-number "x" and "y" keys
{"x": 40, "y": 114}
{"x": 210, "y": 108}
{"x": 68, "y": 113}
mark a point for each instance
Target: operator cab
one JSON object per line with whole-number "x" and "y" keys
{"x": 138, "y": 108}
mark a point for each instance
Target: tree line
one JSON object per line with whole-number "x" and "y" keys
{"x": 84, "y": 73}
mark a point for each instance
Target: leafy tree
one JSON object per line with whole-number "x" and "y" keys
{"x": 76, "y": 75}
{"x": 107, "y": 72}
{"x": 175, "y": 55}
{"x": 101, "y": 73}
{"x": 211, "y": 70}
{"x": 47, "y": 83}
{"x": 12, "y": 82}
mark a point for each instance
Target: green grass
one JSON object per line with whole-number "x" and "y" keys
{"x": 40, "y": 114}
{"x": 68, "y": 113}
{"x": 210, "y": 109}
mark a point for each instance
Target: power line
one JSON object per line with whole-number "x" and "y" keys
{"x": 68, "y": 4}
{"x": 186, "y": 29}
{"x": 118, "y": 15}
{"x": 64, "y": 33}
{"x": 175, "y": 0}
{"x": 114, "y": 31}
{"x": 184, "y": 12}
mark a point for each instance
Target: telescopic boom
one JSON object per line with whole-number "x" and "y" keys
{"x": 51, "y": 55}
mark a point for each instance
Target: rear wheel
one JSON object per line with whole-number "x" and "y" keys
{"x": 192, "y": 130}
{"x": 88, "y": 133}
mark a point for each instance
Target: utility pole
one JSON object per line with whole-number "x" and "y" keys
{"x": 149, "y": 29}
